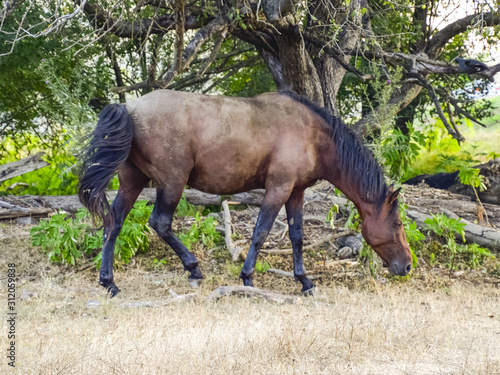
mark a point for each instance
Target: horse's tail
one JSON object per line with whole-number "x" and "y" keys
{"x": 108, "y": 148}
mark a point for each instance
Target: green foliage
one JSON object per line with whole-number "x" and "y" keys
{"x": 68, "y": 239}
{"x": 45, "y": 91}
{"x": 332, "y": 213}
{"x": 445, "y": 227}
{"x": 367, "y": 256}
{"x": 184, "y": 208}
{"x": 262, "y": 267}
{"x": 134, "y": 234}
{"x": 445, "y": 155}
{"x": 204, "y": 230}
{"x": 413, "y": 234}
{"x": 400, "y": 150}
{"x": 65, "y": 239}
{"x": 159, "y": 263}
{"x": 450, "y": 252}
{"x": 352, "y": 221}
{"x": 474, "y": 254}
{"x": 470, "y": 176}
{"x": 248, "y": 81}
{"x": 58, "y": 178}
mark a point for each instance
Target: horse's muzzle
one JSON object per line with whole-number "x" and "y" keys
{"x": 400, "y": 269}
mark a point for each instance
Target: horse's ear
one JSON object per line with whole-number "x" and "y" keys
{"x": 393, "y": 194}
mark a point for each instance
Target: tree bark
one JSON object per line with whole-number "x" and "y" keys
{"x": 299, "y": 72}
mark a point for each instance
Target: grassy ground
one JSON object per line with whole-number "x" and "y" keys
{"x": 430, "y": 324}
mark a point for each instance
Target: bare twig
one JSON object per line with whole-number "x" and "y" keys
{"x": 290, "y": 274}
{"x": 219, "y": 24}
{"x": 235, "y": 251}
{"x": 213, "y": 53}
{"x": 179, "y": 44}
{"x": 454, "y": 102}
{"x": 437, "y": 105}
{"x": 308, "y": 247}
{"x": 452, "y": 119}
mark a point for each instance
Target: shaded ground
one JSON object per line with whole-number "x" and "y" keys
{"x": 434, "y": 322}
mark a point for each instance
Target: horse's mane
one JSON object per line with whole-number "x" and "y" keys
{"x": 356, "y": 162}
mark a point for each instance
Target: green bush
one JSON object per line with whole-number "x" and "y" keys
{"x": 68, "y": 239}
{"x": 58, "y": 178}
{"x": 204, "y": 230}
{"x": 451, "y": 253}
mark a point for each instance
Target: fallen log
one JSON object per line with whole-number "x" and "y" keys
{"x": 12, "y": 207}
{"x": 20, "y": 167}
{"x": 33, "y": 212}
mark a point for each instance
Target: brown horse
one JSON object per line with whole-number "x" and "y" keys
{"x": 222, "y": 145}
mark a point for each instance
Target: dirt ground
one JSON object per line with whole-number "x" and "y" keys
{"x": 434, "y": 322}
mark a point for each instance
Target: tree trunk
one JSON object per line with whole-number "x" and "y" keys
{"x": 299, "y": 72}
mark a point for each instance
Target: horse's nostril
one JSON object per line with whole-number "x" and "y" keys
{"x": 408, "y": 268}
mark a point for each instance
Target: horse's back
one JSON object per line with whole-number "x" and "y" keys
{"x": 224, "y": 144}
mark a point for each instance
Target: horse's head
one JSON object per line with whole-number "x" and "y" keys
{"x": 383, "y": 231}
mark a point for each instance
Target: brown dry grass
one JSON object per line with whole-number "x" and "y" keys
{"x": 424, "y": 326}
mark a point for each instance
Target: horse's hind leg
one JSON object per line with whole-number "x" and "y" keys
{"x": 161, "y": 221}
{"x": 132, "y": 181}
{"x": 273, "y": 201}
{"x": 294, "y": 212}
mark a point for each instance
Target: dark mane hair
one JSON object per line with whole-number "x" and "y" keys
{"x": 356, "y": 162}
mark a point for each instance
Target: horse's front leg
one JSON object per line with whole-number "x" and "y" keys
{"x": 273, "y": 201}
{"x": 294, "y": 212}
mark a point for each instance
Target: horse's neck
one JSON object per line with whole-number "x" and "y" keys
{"x": 340, "y": 179}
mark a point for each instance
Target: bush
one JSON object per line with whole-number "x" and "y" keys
{"x": 68, "y": 239}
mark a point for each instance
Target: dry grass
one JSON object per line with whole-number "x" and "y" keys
{"x": 417, "y": 327}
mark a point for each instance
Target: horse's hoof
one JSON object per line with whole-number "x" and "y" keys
{"x": 195, "y": 273}
{"x": 195, "y": 282}
{"x": 308, "y": 288}
{"x": 247, "y": 282}
{"x": 309, "y": 292}
{"x": 112, "y": 290}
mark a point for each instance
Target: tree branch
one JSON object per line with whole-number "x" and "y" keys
{"x": 437, "y": 104}
{"x": 8, "y": 9}
{"x": 141, "y": 28}
{"x": 441, "y": 38}
{"x": 213, "y": 53}
{"x": 179, "y": 44}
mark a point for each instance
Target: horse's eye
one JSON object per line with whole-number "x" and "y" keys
{"x": 398, "y": 224}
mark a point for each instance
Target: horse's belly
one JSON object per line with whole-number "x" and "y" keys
{"x": 218, "y": 189}
{"x": 228, "y": 176}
